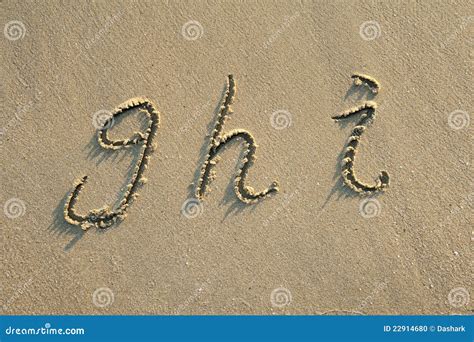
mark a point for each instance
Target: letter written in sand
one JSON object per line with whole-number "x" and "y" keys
{"x": 367, "y": 111}
{"x": 217, "y": 142}
{"x": 105, "y": 217}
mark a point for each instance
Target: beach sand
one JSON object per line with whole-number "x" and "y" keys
{"x": 314, "y": 247}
